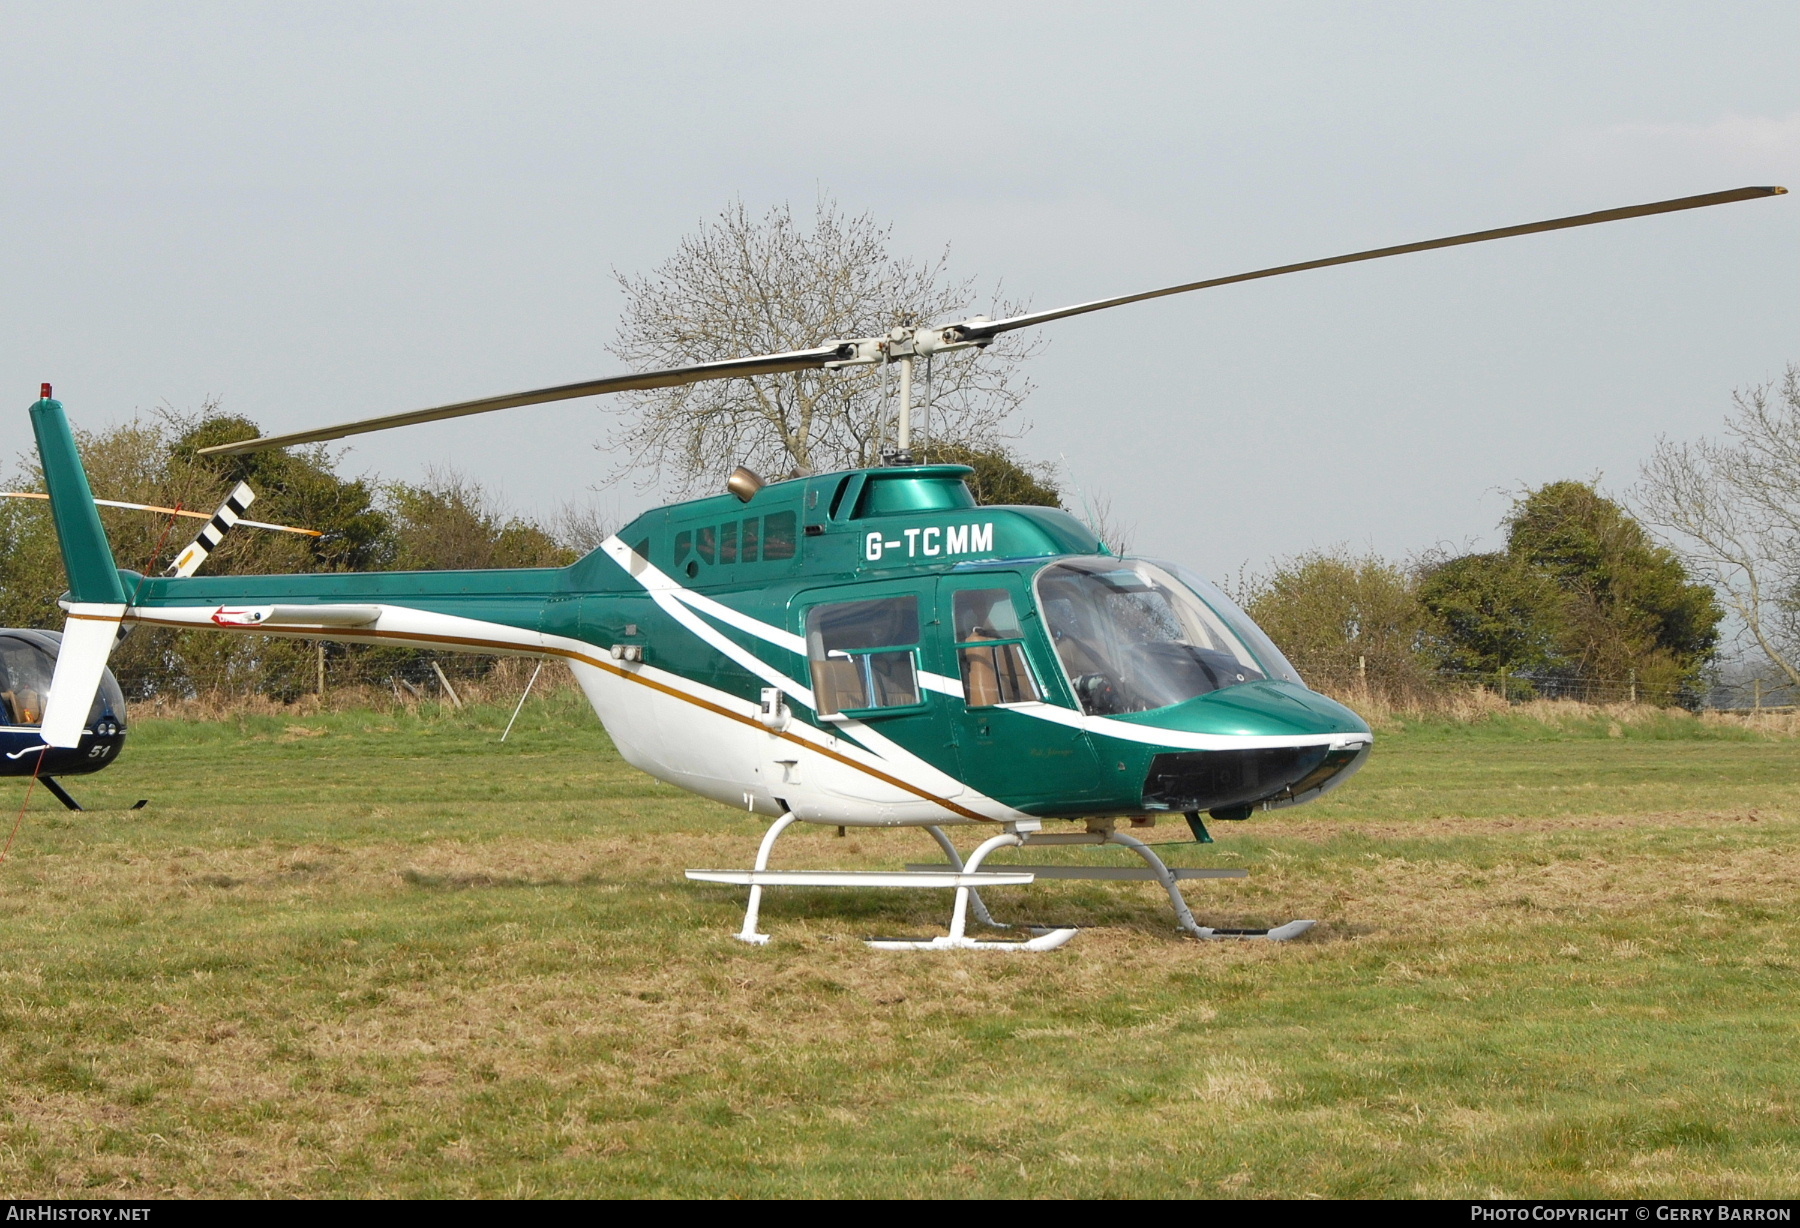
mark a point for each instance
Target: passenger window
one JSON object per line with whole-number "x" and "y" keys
{"x": 728, "y": 543}
{"x": 684, "y": 542}
{"x": 708, "y": 536}
{"x": 990, "y": 649}
{"x": 862, "y": 654}
{"x": 747, "y": 552}
{"x": 778, "y": 536}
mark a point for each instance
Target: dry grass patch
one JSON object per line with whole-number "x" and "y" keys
{"x": 406, "y": 961}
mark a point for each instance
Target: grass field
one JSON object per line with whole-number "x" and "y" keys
{"x": 380, "y": 954}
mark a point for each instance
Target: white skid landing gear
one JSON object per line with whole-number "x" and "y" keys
{"x": 967, "y": 877}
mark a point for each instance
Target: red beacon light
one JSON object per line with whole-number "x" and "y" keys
{"x": 46, "y": 393}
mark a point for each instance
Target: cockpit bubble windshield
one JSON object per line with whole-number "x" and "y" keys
{"x": 1274, "y": 661}
{"x": 1132, "y": 638}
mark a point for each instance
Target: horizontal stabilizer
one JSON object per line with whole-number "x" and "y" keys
{"x": 88, "y": 639}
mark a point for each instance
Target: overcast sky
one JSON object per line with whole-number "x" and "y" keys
{"x": 317, "y": 212}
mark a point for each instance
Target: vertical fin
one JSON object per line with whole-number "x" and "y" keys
{"x": 236, "y": 503}
{"x": 96, "y": 594}
{"x": 93, "y": 577}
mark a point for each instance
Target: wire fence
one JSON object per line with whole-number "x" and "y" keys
{"x": 1735, "y": 690}
{"x": 1524, "y": 688}
{"x": 336, "y": 676}
{"x": 1753, "y": 694}
{"x": 1721, "y": 695}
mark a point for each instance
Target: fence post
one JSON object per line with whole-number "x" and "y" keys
{"x": 320, "y": 645}
{"x": 1634, "y": 686}
{"x": 1756, "y": 683}
{"x": 448, "y": 689}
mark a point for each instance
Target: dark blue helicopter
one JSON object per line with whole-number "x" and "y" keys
{"x": 27, "y": 664}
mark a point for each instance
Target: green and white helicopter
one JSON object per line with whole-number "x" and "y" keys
{"x": 866, "y": 648}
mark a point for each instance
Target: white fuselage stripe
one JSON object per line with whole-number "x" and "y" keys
{"x": 658, "y": 583}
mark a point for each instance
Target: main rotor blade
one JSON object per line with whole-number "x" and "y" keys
{"x": 976, "y": 331}
{"x": 763, "y": 364}
{"x": 973, "y": 330}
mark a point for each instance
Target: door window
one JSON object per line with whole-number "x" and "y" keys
{"x": 990, "y": 649}
{"x": 863, "y": 654}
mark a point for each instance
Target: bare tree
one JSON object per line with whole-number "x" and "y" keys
{"x": 1732, "y": 508}
{"x": 581, "y": 527}
{"x": 740, "y": 286}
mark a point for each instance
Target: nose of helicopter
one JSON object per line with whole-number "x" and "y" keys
{"x": 1267, "y": 709}
{"x": 1229, "y": 782}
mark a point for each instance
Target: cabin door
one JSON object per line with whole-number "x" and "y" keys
{"x": 990, "y": 638}
{"x": 868, "y": 650}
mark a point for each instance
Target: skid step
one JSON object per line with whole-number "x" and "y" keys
{"x": 1109, "y": 873}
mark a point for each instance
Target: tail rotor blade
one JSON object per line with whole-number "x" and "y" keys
{"x": 236, "y": 503}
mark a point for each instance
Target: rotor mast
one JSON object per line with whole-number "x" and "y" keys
{"x": 903, "y": 346}
{"x": 903, "y": 431}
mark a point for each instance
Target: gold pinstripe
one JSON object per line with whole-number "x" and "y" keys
{"x": 338, "y": 633}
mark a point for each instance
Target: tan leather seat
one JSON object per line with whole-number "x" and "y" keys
{"x": 981, "y": 680}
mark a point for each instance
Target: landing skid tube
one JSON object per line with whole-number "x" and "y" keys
{"x": 967, "y": 877}
{"x": 68, "y": 799}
